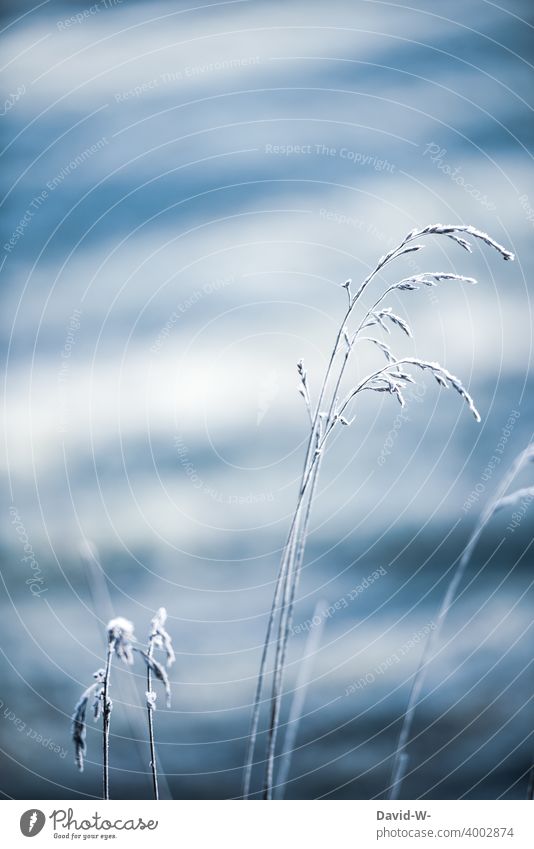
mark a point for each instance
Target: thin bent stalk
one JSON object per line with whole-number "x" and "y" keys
{"x": 279, "y": 587}
{"x": 158, "y": 637}
{"x": 277, "y": 678}
{"x": 150, "y": 717}
{"x": 297, "y": 705}
{"x": 106, "y": 718}
{"x": 400, "y": 761}
{"x": 530, "y": 788}
{"x": 283, "y": 639}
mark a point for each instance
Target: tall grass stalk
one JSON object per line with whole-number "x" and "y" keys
{"x": 106, "y": 718}
{"x": 301, "y": 687}
{"x": 330, "y": 412}
{"x": 500, "y": 499}
{"x": 150, "y": 719}
{"x": 120, "y": 636}
{"x": 530, "y": 786}
{"x": 158, "y": 638}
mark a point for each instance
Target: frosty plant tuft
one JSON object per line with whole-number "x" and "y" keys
{"x": 121, "y": 644}
{"x": 332, "y": 409}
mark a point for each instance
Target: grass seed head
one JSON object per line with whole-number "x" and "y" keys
{"x": 160, "y": 637}
{"x": 121, "y": 634}
{"x": 159, "y": 671}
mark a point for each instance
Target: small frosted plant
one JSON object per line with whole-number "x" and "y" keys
{"x": 120, "y": 642}
{"x": 502, "y": 500}
{"x": 331, "y": 411}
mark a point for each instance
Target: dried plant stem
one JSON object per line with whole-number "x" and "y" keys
{"x": 158, "y": 637}
{"x": 277, "y": 678}
{"x": 297, "y": 705}
{"x": 106, "y": 718}
{"x": 286, "y": 617}
{"x": 530, "y": 787}
{"x": 150, "y": 718}
{"x": 400, "y": 760}
{"x": 279, "y": 589}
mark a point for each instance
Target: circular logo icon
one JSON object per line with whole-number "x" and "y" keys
{"x": 32, "y": 822}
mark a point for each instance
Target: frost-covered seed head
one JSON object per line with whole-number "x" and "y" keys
{"x": 120, "y": 636}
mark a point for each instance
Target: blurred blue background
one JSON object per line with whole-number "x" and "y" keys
{"x": 184, "y": 187}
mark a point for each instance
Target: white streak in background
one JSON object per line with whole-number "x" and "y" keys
{"x": 140, "y": 67}
{"x": 191, "y": 43}
{"x": 159, "y": 267}
{"x": 268, "y": 389}
{"x": 144, "y": 394}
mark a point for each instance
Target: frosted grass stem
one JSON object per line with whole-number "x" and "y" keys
{"x": 158, "y": 637}
{"x": 106, "y": 716}
{"x": 150, "y": 718}
{"x": 301, "y": 687}
{"x": 530, "y": 787}
{"x": 279, "y": 587}
{"x": 293, "y": 576}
